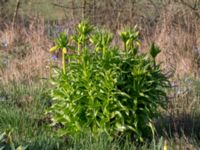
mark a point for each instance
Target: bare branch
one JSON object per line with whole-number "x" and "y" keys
{"x": 62, "y": 6}
{"x": 15, "y": 13}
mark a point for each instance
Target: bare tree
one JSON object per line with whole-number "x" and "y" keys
{"x": 15, "y": 13}
{"x": 84, "y": 3}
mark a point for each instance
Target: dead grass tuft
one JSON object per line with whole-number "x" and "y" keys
{"x": 177, "y": 33}
{"x": 28, "y": 47}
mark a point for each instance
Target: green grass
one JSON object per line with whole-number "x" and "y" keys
{"x": 25, "y": 118}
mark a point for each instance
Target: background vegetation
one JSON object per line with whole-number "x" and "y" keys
{"x": 26, "y": 34}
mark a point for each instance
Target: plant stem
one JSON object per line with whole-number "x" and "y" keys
{"x": 104, "y": 52}
{"x": 85, "y": 49}
{"x": 154, "y": 62}
{"x": 63, "y": 62}
{"x": 78, "y": 49}
{"x": 125, "y": 46}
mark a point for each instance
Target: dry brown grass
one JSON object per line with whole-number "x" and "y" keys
{"x": 29, "y": 47}
{"x": 178, "y": 34}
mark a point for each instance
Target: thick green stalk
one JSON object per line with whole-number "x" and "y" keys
{"x": 79, "y": 51}
{"x": 125, "y": 46}
{"x": 104, "y": 52}
{"x": 85, "y": 49}
{"x": 79, "y": 46}
{"x": 84, "y": 46}
{"x": 63, "y": 62}
{"x": 154, "y": 62}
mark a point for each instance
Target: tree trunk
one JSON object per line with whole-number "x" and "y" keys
{"x": 15, "y": 13}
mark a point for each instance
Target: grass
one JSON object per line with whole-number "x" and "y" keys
{"x": 22, "y": 111}
{"x": 21, "y": 108}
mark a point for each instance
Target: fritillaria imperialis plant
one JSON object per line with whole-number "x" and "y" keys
{"x": 109, "y": 90}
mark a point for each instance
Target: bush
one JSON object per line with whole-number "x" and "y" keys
{"x": 106, "y": 89}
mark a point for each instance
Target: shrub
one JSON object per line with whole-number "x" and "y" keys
{"x": 107, "y": 89}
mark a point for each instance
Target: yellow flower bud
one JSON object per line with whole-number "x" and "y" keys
{"x": 165, "y": 145}
{"x": 64, "y": 50}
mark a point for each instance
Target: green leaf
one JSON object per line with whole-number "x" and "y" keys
{"x": 53, "y": 49}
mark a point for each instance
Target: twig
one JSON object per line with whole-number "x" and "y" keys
{"x": 84, "y": 9}
{"x": 62, "y": 6}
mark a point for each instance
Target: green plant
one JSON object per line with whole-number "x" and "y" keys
{"x": 130, "y": 40}
{"x": 101, "y": 40}
{"x": 154, "y": 51}
{"x": 83, "y": 31}
{"x": 6, "y": 141}
{"x": 108, "y": 91}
